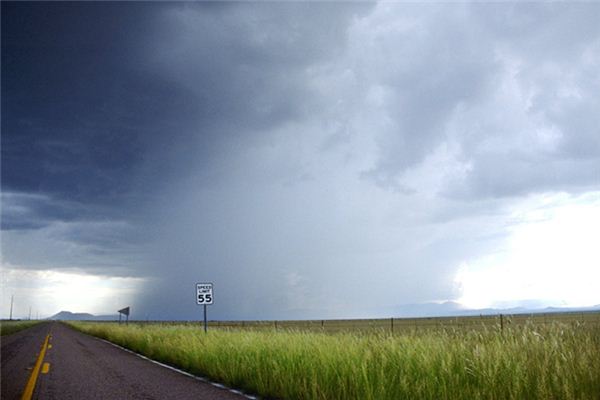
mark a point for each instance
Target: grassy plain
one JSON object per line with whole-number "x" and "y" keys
{"x": 556, "y": 360}
{"x": 8, "y": 327}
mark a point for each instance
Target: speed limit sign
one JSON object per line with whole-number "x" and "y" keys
{"x": 204, "y": 293}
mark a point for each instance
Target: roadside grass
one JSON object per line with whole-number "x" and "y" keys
{"x": 8, "y": 327}
{"x": 556, "y": 361}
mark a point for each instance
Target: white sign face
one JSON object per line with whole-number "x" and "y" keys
{"x": 204, "y": 293}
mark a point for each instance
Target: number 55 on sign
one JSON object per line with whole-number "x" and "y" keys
{"x": 204, "y": 293}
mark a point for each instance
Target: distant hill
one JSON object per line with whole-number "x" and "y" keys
{"x": 450, "y": 308}
{"x": 430, "y": 310}
{"x": 69, "y": 316}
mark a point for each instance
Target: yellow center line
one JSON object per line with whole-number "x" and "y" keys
{"x": 36, "y": 371}
{"x": 45, "y": 368}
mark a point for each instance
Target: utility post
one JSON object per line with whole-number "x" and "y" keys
{"x": 12, "y": 299}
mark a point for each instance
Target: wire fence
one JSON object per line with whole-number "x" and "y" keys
{"x": 403, "y": 325}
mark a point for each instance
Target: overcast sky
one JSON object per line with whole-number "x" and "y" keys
{"x": 312, "y": 160}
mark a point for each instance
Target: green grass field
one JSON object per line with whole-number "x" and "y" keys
{"x": 556, "y": 360}
{"x": 8, "y": 327}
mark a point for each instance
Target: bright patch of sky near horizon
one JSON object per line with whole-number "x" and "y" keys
{"x": 551, "y": 257}
{"x": 46, "y": 292}
{"x": 299, "y": 156}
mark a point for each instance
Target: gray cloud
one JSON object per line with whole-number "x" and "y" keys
{"x": 461, "y": 76}
{"x": 416, "y": 80}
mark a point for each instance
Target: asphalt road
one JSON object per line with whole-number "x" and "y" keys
{"x": 83, "y": 367}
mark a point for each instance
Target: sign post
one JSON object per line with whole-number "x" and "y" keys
{"x": 204, "y": 297}
{"x": 124, "y": 311}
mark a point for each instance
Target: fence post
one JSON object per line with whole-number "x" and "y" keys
{"x": 392, "y": 323}
{"x": 501, "y": 323}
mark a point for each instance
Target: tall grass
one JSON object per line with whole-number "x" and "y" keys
{"x": 550, "y": 362}
{"x": 8, "y": 327}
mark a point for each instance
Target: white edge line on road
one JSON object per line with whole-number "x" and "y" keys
{"x": 199, "y": 378}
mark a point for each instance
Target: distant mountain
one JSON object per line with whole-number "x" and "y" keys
{"x": 430, "y": 309}
{"x": 451, "y": 309}
{"x": 69, "y": 316}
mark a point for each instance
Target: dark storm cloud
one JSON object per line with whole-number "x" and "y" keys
{"x": 77, "y": 115}
{"x": 76, "y": 110}
{"x": 246, "y": 69}
{"x": 30, "y": 211}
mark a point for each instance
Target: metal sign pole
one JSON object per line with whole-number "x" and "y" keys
{"x": 125, "y": 311}
{"x": 204, "y": 297}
